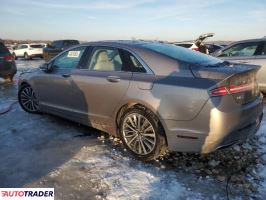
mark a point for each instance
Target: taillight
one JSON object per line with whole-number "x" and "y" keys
{"x": 241, "y": 88}
{"x": 195, "y": 49}
{"x": 232, "y": 89}
{"x": 219, "y": 92}
{"x": 8, "y": 58}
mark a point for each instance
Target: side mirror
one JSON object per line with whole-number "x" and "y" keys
{"x": 44, "y": 67}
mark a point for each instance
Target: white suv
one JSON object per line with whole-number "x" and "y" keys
{"x": 28, "y": 51}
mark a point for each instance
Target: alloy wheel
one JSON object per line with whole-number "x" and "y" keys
{"x": 28, "y": 99}
{"x": 139, "y": 134}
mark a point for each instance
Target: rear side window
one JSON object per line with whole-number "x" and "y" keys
{"x": 263, "y": 52}
{"x": 74, "y": 42}
{"x": 181, "y": 54}
{"x": 133, "y": 62}
{"x": 70, "y": 42}
{"x": 136, "y": 65}
{"x": 3, "y": 49}
{"x": 36, "y": 46}
{"x": 241, "y": 50}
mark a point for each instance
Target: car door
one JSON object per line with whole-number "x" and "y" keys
{"x": 54, "y": 88}
{"x": 243, "y": 52}
{"x": 19, "y": 50}
{"x": 100, "y": 85}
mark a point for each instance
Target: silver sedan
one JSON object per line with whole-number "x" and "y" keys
{"x": 153, "y": 96}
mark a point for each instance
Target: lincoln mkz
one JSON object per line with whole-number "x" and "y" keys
{"x": 154, "y": 96}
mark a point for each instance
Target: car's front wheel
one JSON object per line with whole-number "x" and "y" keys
{"x": 142, "y": 134}
{"x": 27, "y": 99}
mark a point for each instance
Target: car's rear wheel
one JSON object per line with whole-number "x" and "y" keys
{"x": 26, "y": 56}
{"x": 142, "y": 134}
{"x": 27, "y": 99}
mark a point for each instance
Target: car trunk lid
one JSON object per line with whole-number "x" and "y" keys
{"x": 238, "y": 80}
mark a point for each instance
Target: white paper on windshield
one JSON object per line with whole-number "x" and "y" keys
{"x": 73, "y": 54}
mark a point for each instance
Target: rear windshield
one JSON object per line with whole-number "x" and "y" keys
{"x": 182, "y": 54}
{"x": 3, "y": 49}
{"x": 36, "y": 46}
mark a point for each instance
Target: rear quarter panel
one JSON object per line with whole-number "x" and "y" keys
{"x": 261, "y": 75}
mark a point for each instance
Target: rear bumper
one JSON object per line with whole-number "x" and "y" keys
{"x": 220, "y": 123}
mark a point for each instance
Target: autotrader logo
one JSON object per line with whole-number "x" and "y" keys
{"x": 27, "y": 193}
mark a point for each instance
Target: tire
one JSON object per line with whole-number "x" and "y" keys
{"x": 28, "y": 100}
{"x": 26, "y": 56}
{"x": 14, "y": 56}
{"x": 140, "y": 129}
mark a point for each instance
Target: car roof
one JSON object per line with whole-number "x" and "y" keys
{"x": 252, "y": 40}
{"x": 243, "y": 41}
{"x": 128, "y": 44}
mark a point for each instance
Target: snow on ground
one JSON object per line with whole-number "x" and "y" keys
{"x": 46, "y": 151}
{"x": 262, "y": 153}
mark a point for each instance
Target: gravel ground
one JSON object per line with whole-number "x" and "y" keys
{"x": 83, "y": 163}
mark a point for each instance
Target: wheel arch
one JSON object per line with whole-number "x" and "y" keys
{"x": 24, "y": 83}
{"x": 140, "y": 105}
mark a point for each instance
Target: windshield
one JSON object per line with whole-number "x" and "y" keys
{"x": 182, "y": 54}
{"x": 57, "y": 43}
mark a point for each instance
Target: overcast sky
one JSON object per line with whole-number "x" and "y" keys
{"x": 172, "y": 20}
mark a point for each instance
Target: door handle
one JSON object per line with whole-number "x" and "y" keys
{"x": 113, "y": 79}
{"x": 243, "y": 62}
{"x": 66, "y": 75}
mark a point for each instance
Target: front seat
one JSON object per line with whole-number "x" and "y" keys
{"x": 103, "y": 63}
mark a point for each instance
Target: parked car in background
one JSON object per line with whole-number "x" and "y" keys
{"x": 56, "y": 47}
{"x": 10, "y": 48}
{"x": 28, "y": 51}
{"x": 152, "y": 95}
{"x": 248, "y": 52}
{"x": 213, "y": 47}
{"x": 43, "y": 45}
{"x": 193, "y": 44}
{"x": 7, "y": 65}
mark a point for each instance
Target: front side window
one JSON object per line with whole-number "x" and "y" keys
{"x": 69, "y": 59}
{"x": 243, "y": 49}
{"x": 23, "y": 47}
{"x": 105, "y": 59}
